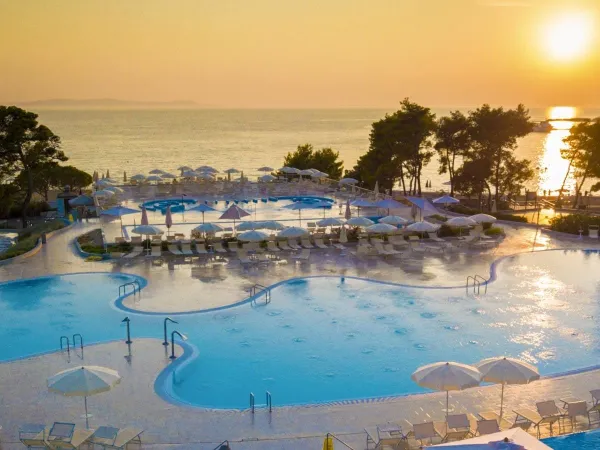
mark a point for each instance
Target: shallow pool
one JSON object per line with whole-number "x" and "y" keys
{"x": 330, "y": 339}
{"x": 580, "y": 441}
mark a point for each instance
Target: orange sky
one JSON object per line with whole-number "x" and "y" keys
{"x": 295, "y": 53}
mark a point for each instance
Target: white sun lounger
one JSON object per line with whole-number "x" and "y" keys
{"x": 304, "y": 255}
{"x": 293, "y": 243}
{"x": 201, "y": 248}
{"x": 306, "y": 243}
{"x": 391, "y": 250}
{"x": 115, "y": 438}
{"x": 272, "y": 247}
{"x": 174, "y": 249}
{"x": 284, "y": 245}
{"x": 319, "y": 243}
{"x": 218, "y": 247}
{"x": 156, "y": 251}
{"x": 186, "y": 249}
{"x": 137, "y": 251}
{"x": 339, "y": 245}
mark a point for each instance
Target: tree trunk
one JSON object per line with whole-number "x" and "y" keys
{"x": 560, "y": 193}
{"x": 402, "y": 178}
{"x": 451, "y": 172}
{"x": 419, "y": 177}
{"x": 497, "y": 182}
{"x": 27, "y": 199}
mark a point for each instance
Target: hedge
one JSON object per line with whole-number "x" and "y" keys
{"x": 572, "y": 223}
{"x": 462, "y": 209}
{"x": 28, "y": 238}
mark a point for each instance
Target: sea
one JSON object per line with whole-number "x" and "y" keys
{"x": 137, "y": 141}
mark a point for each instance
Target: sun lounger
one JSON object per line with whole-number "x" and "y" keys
{"x": 115, "y": 438}
{"x": 156, "y": 251}
{"x": 33, "y": 435}
{"x": 283, "y": 245}
{"x": 218, "y": 247}
{"x": 293, "y": 243}
{"x": 174, "y": 249}
{"x": 244, "y": 258}
{"x": 232, "y": 246}
{"x": 386, "y": 436}
{"x": 491, "y": 415}
{"x": 526, "y": 418}
{"x": 339, "y": 245}
{"x": 186, "y": 249}
{"x": 306, "y": 243}
{"x": 574, "y": 409}
{"x": 304, "y": 255}
{"x": 362, "y": 251}
{"x": 423, "y": 431}
{"x": 595, "y": 393}
{"x": 413, "y": 238}
{"x": 456, "y": 427}
{"x": 201, "y": 248}
{"x": 319, "y": 243}
{"x": 391, "y": 250}
{"x": 136, "y": 240}
{"x": 120, "y": 240}
{"x": 171, "y": 238}
{"x": 487, "y": 427}
{"x": 378, "y": 246}
{"x": 137, "y": 251}
{"x": 272, "y": 247}
{"x": 65, "y": 436}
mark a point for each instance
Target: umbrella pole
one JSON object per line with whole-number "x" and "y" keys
{"x": 447, "y": 408}
{"x": 501, "y": 401}
{"x": 87, "y": 424}
{"x": 121, "y": 218}
{"x": 202, "y": 216}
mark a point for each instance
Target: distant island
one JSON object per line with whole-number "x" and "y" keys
{"x": 107, "y": 103}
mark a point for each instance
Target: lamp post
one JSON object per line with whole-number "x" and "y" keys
{"x": 126, "y": 320}
{"x": 167, "y": 319}
{"x": 183, "y": 338}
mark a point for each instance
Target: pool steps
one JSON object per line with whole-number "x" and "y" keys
{"x": 477, "y": 281}
{"x": 268, "y": 402}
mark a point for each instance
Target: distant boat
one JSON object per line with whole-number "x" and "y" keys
{"x": 542, "y": 127}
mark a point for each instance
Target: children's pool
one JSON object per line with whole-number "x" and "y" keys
{"x": 328, "y": 339}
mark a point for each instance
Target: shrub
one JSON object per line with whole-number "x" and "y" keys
{"x": 439, "y": 217}
{"x": 510, "y": 217}
{"x": 573, "y": 223}
{"x": 29, "y": 237}
{"x": 91, "y": 248}
{"x": 35, "y": 208}
{"x": 448, "y": 231}
{"x": 462, "y": 209}
{"x": 494, "y": 231}
{"x": 37, "y": 230}
{"x": 93, "y": 258}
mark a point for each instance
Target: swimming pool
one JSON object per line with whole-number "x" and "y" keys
{"x": 579, "y": 441}
{"x": 328, "y": 339}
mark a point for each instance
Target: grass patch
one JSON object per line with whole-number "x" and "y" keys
{"x": 494, "y": 231}
{"x": 28, "y": 238}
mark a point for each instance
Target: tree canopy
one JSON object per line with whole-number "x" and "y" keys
{"x": 25, "y": 145}
{"x": 452, "y": 140}
{"x": 52, "y": 176}
{"x": 325, "y": 160}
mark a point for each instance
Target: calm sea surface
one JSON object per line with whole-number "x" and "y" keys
{"x": 141, "y": 140}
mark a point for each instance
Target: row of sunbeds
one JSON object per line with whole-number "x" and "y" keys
{"x": 66, "y": 436}
{"x": 463, "y": 426}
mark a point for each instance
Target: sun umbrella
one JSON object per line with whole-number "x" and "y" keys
{"x": 393, "y": 220}
{"x": 293, "y": 232}
{"x": 234, "y": 213}
{"x": 422, "y": 227}
{"x": 445, "y": 200}
{"x": 347, "y": 213}
{"x": 382, "y": 228}
{"x": 389, "y": 203}
{"x": 82, "y": 200}
{"x": 330, "y": 222}
{"x": 483, "y": 218}
{"x": 447, "y": 376}
{"x": 168, "y": 176}
{"x": 348, "y": 181}
{"x": 306, "y": 172}
{"x": 119, "y": 211}
{"x": 154, "y": 178}
{"x": 343, "y": 235}
{"x": 272, "y": 225}
{"x": 83, "y": 382}
{"x": 168, "y": 219}
{"x": 376, "y": 188}
{"x": 207, "y": 169}
{"x": 299, "y": 206}
{"x": 292, "y": 170}
{"x": 461, "y": 222}
{"x": 265, "y": 169}
{"x": 144, "y": 220}
{"x": 267, "y": 178}
{"x": 157, "y": 171}
{"x": 232, "y": 170}
{"x": 506, "y": 371}
{"x": 188, "y": 174}
{"x": 182, "y": 168}
{"x": 103, "y": 193}
{"x": 115, "y": 189}
{"x": 320, "y": 175}
{"x": 209, "y": 228}
{"x": 253, "y": 236}
{"x": 245, "y": 226}
{"x": 512, "y": 439}
{"x": 147, "y": 230}
{"x": 138, "y": 177}
{"x": 359, "y": 222}
{"x": 103, "y": 183}
{"x": 202, "y": 207}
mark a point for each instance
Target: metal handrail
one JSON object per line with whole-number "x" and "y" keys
{"x": 476, "y": 284}
{"x": 269, "y": 401}
{"x": 136, "y": 287}
{"x": 259, "y": 289}
{"x": 252, "y": 402}
{"x": 339, "y": 440}
{"x": 218, "y": 447}
{"x": 80, "y": 341}
{"x": 485, "y": 282}
{"x": 66, "y": 338}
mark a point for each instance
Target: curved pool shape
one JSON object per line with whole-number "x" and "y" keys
{"x": 590, "y": 440}
{"x": 325, "y": 339}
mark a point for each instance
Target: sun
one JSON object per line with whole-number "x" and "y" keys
{"x": 569, "y": 37}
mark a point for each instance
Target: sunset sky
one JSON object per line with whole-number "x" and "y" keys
{"x": 303, "y": 53}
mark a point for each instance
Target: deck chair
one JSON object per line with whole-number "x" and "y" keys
{"x": 487, "y": 427}
{"x": 526, "y": 418}
{"x": 305, "y": 242}
{"x": 136, "y": 240}
{"x": 304, "y": 255}
{"x": 362, "y": 251}
{"x": 201, "y": 248}
{"x": 218, "y": 247}
{"x": 65, "y": 436}
{"x": 577, "y": 409}
{"x": 424, "y": 431}
{"x": 137, "y": 251}
{"x": 339, "y": 245}
{"x": 320, "y": 244}
{"x": 186, "y": 249}
{"x": 244, "y": 258}
{"x": 156, "y": 251}
{"x": 33, "y": 436}
{"x": 293, "y": 243}
{"x": 595, "y": 393}
{"x": 379, "y": 249}
{"x": 283, "y": 245}
{"x": 391, "y": 250}
{"x": 384, "y": 440}
{"x": 272, "y": 247}
{"x": 171, "y": 238}
{"x": 491, "y": 415}
{"x": 115, "y": 438}
{"x": 174, "y": 249}
{"x": 413, "y": 238}
{"x": 232, "y": 246}
{"x": 120, "y": 240}
{"x": 456, "y": 427}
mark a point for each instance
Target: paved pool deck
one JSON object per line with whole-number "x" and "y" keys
{"x": 179, "y": 285}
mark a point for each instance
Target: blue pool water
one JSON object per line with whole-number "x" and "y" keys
{"x": 327, "y": 339}
{"x": 579, "y": 441}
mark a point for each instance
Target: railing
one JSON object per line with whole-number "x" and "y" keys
{"x": 65, "y": 338}
{"x": 333, "y": 436}
{"x": 269, "y": 401}
{"x": 252, "y": 402}
{"x": 477, "y": 279}
{"x": 260, "y": 289}
{"x": 223, "y": 445}
{"x": 80, "y": 343}
{"x": 137, "y": 288}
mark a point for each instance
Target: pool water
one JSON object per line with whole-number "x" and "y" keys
{"x": 579, "y": 441}
{"x": 328, "y": 339}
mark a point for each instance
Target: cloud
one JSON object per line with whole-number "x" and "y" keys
{"x": 505, "y": 3}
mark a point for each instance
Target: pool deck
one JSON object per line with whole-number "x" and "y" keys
{"x": 199, "y": 286}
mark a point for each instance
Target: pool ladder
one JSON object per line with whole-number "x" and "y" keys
{"x": 65, "y": 340}
{"x": 260, "y": 289}
{"x": 477, "y": 281}
{"x": 268, "y": 402}
{"x": 137, "y": 287}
